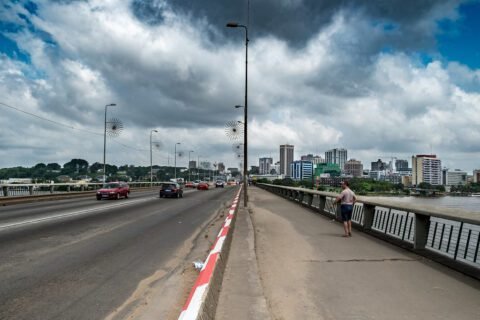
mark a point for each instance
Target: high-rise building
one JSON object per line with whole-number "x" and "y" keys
{"x": 265, "y": 165}
{"x": 336, "y": 156}
{"x": 426, "y": 168}
{"x": 476, "y": 175}
{"x": 286, "y": 158}
{"x": 221, "y": 167}
{"x": 192, "y": 164}
{"x": 401, "y": 165}
{"x": 354, "y": 167}
{"x": 378, "y": 165}
{"x": 301, "y": 170}
{"x": 313, "y": 159}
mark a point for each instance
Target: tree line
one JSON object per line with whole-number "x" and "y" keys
{"x": 80, "y": 169}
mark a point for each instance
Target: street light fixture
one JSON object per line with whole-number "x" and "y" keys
{"x": 189, "y": 152}
{"x": 151, "y": 166}
{"x": 245, "y": 155}
{"x": 176, "y": 160}
{"x": 105, "y": 141}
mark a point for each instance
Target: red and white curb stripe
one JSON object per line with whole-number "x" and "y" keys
{"x": 191, "y": 308}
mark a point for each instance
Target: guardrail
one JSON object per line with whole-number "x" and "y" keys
{"x": 449, "y": 236}
{"x": 19, "y": 190}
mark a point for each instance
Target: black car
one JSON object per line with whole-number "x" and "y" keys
{"x": 171, "y": 189}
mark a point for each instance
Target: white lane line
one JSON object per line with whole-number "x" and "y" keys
{"x": 70, "y": 214}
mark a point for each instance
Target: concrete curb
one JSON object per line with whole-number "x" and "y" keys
{"x": 203, "y": 298}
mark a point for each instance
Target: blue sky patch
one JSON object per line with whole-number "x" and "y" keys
{"x": 459, "y": 41}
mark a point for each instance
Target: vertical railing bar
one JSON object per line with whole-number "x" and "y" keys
{"x": 449, "y": 238}
{"x": 388, "y": 219}
{"x": 458, "y": 241}
{"x": 441, "y": 237}
{"x": 410, "y": 228}
{"x": 468, "y": 244}
{"x": 434, "y": 234}
{"x": 405, "y": 228}
{"x": 395, "y": 226}
{"x": 400, "y": 226}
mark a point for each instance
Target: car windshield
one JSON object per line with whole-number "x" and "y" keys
{"x": 111, "y": 186}
{"x": 168, "y": 186}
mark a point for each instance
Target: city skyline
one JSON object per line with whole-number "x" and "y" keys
{"x": 411, "y": 87}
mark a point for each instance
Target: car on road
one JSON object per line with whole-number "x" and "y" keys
{"x": 203, "y": 186}
{"x": 219, "y": 184}
{"x": 113, "y": 190}
{"x": 189, "y": 184}
{"x": 171, "y": 190}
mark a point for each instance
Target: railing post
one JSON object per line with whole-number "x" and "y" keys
{"x": 68, "y": 188}
{"x": 309, "y": 200}
{"x": 321, "y": 203}
{"x": 301, "y": 196}
{"x": 30, "y": 190}
{"x": 368, "y": 216}
{"x": 338, "y": 211}
{"x": 422, "y": 226}
{"x": 5, "y": 191}
{"x": 52, "y": 188}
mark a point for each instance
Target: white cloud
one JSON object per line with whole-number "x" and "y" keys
{"x": 339, "y": 90}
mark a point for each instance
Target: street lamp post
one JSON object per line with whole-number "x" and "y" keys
{"x": 176, "y": 161}
{"x": 189, "y": 152}
{"x": 245, "y": 154}
{"x": 151, "y": 165}
{"x": 105, "y": 141}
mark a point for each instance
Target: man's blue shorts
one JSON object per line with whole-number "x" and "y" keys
{"x": 346, "y": 210}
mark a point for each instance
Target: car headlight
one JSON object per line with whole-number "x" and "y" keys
{"x": 112, "y": 192}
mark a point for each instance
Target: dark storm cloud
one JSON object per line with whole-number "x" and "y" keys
{"x": 297, "y": 20}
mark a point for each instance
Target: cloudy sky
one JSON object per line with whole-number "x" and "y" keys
{"x": 380, "y": 78}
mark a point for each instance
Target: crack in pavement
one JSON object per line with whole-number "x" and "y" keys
{"x": 362, "y": 260}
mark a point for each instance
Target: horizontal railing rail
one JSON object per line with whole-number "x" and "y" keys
{"x": 453, "y": 235}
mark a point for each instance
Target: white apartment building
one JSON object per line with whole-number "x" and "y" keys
{"x": 426, "y": 168}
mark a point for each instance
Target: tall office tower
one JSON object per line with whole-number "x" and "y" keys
{"x": 265, "y": 165}
{"x": 337, "y": 156}
{"x": 378, "y": 165}
{"x": 192, "y": 164}
{"x": 221, "y": 167}
{"x": 401, "y": 165}
{"x": 354, "y": 167}
{"x": 286, "y": 157}
{"x": 426, "y": 168}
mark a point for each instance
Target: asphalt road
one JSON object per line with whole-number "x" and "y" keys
{"x": 83, "y": 258}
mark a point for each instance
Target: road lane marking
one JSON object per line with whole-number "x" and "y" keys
{"x": 71, "y": 214}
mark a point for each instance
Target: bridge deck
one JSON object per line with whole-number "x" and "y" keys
{"x": 309, "y": 271}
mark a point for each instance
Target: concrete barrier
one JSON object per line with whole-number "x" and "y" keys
{"x": 202, "y": 300}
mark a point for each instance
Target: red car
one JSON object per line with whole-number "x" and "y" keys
{"x": 189, "y": 184}
{"x": 202, "y": 186}
{"x": 113, "y": 190}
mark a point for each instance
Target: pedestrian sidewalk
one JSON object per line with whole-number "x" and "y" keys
{"x": 288, "y": 262}
{"x": 241, "y": 295}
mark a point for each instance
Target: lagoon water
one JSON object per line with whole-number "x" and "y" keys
{"x": 465, "y": 203}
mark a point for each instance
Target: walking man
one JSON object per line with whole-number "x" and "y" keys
{"x": 347, "y": 199}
